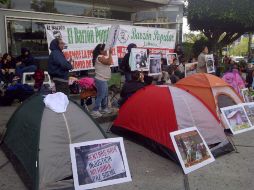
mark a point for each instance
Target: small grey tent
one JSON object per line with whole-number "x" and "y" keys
{"x": 37, "y": 141}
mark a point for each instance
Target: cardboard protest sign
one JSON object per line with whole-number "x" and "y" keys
{"x": 154, "y": 64}
{"x": 191, "y": 149}
{"x": 191, "y": 68}
{"x": 209, "y": 59}
{"x": 236, "y": 119}
{"x": 139, "y": 59}
{"x": 112, "y": 37}
{"x": 99, "y": 163}
{"x": 171, "y": 57}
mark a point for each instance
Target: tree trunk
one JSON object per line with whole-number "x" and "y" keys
{"x": 249, "y": 47}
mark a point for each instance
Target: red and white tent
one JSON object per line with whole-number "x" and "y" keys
{"x": 153, "y": 112}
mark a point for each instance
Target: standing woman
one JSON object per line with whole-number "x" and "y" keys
{"x": 102, "y": 63}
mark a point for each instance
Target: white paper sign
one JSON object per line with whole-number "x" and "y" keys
{"x": 99, "y": 163}
{"x": 112, "y": 37}
{"x": 191, "y": 149}
{"x": 154, "y": 64}
{"x": 171, "y": 57}
{"x": 139, "y": 59}
{"x": 209, "y": 59}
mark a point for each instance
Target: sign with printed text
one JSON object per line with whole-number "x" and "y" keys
{"x": 99, "y": 163}
{"x": 103, "y": 164}
{"x": 81, "y": 40}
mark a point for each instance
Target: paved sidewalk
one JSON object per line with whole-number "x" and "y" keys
{"x": 149, "y": 171}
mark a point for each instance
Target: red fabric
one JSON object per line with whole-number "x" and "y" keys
{"x": 38, "y": 78}
{"x": 150, "y": 112}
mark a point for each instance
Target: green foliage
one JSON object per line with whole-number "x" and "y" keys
{"x": 4, "y": 1}
{"x": 187, "y": 48}
{"x": 221, "y": 21}
{"x": 224, "y": 15}
{"x": 241, "y": 49}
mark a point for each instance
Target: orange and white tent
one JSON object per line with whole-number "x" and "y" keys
{"x": 211, "y": 90}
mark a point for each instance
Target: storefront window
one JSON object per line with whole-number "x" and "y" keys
{"x": 29, "y": 34}
{"x": 79, "y": 8}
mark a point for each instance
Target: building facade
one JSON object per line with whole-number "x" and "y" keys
{"x": 22, "y": 21}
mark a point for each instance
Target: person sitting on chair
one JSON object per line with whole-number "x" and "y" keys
{"x": 129, "y": 88}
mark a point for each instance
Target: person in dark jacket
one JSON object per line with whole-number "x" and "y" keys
{"x": 130, "y": 87}
{"x": 125, "y": 67}
{"x": 59, "y": 67}
{"x": 25, "y": 62}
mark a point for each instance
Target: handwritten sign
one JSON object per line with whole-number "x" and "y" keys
{"x": 99, "y": 163}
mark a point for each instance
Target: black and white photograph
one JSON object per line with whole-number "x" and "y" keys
{"x": 99, "y": 163}
{"x": 139, "y": 59}
{"x": 154, "y": 64}
{"x": 210, "y": 63}
{"x": 172, "y": 58}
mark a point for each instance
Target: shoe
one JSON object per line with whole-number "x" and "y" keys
{"x": 106, "y": 111}
{"x": 96, "y": 114}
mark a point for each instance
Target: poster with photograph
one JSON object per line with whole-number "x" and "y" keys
{"x": 247, "y": 94}
{"x": 191, "y": 68}
{"x": 112, "y": 37}
{"x": 236, "y": 119}
{"x": 172, "y": 58}
{"x": 139, "y": 59}
{"x": 154, "y": 64}
{"x": 209, "y": 59}
{"x": 249, "y": 109}
{"x": 191, "y": 149}
{"x": 99, "y": 163}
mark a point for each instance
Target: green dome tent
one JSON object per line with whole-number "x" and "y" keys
{"x": 37, "y": 142}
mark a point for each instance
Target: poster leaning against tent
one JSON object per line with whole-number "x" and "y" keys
{"x": 191, "y": 149}
{"x": 154, "y": 64}
{"x": 237, "y": 119}
{"x": 209, "y": 59}
{"x": 99, "y": 163}
{"x": 247, "y": 94}
{"x": 190, "y": 68}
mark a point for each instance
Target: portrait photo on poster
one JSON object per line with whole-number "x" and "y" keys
{"x": 99, "y": 163}
{"x": 139, "y": 59}
{"x": 191, "y": 149}
{"x": 236, "y": 119}
{"x": 172, "y": 58}
{"x": 154, "y": 64}
{"x": 209, "y": 59}
{"x": 190, "y": 69}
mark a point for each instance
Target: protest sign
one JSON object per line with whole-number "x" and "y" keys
{"x": 112, "y": 37}
{"x": 80, "y": 41}
{"x": 191, "y": 68}
{"x": 191, "y": 149}
{"x": 154, "y": 64}
{"x": 99, "y": 163}
{"x": 247, "y": 94}
{"x": 236, "y": 119}
{"x": 210, "y": 63}
{"x": 171, "y": 57}
{"x": 138, "y": 59}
